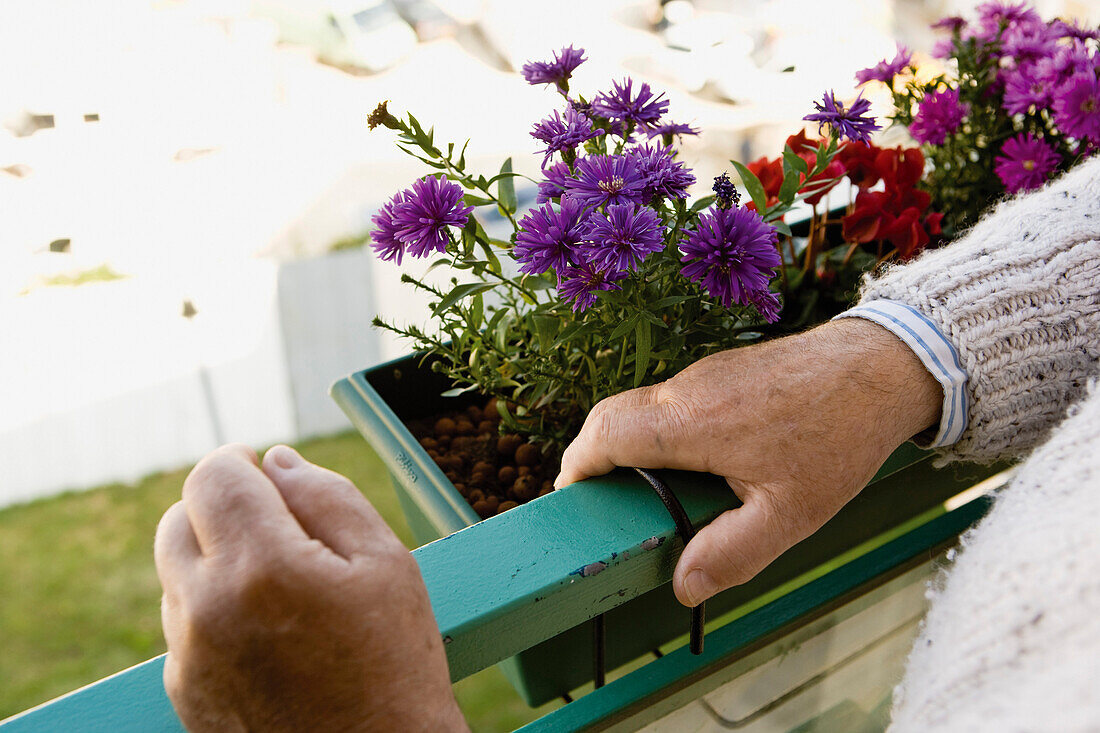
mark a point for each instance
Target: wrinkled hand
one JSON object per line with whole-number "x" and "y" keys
{"x": 797, "y": 426}
{"x": 290, "y": 605}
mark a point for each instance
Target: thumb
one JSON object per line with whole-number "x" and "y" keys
{"x": 327, "y": 505}
{"x": 729, "y": 551}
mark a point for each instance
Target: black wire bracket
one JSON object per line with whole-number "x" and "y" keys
{"x": 698, "y": 613}
{"x": 686, "y": 532}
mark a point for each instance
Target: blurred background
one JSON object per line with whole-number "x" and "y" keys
{"x": 185, "y": 192}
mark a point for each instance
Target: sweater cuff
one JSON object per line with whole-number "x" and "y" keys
{"x": 938, "y": 355}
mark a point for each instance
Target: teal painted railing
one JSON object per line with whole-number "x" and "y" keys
{"x": 501, "y": 586}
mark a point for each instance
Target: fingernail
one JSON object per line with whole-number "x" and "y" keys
{"x": 699, "y": 586}
{"x": 285, "y": 456}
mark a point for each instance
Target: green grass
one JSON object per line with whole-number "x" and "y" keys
{"x": 79, "y": 597}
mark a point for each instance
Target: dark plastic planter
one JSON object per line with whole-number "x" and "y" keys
{"x": 379, "y": 400}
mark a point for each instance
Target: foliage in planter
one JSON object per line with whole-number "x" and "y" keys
{"x": 614, "y": 280}
{"x": 1019, "y": 103}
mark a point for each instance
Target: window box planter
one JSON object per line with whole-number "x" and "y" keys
{"x": 381, "y": 399}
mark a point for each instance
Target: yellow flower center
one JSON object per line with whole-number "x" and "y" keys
{"x": 1029, "y": 165}
{"x": 613, "y": 185}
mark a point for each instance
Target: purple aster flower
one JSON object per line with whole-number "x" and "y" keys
{"x": 938, "y": 116}
{"x": 563, "y": 133}
{"x": 557, "y": 71}
{"x": 847, "y": 123}
{"x": 623, "y": 104}
{"x": 731, "y": 254}
{"x": 767, "y": 303}
{"x": 607, "y": 179}
{"x": 580, "y": 284}
{"x": 1074, "y": 30}
{"x": 669, "y": 130}
{"x": 952, "y": 23}
{"x": 1026, "y": 42}
{"x": 557, "y": 178}
{"x": 1077, "y": 107}
{"x": 1025, "y": 163}
{"x": 383, "y": 237}
{"x": 995, "y": 16}
{"x": 663, "y": 174}
{"x": 624, "y": 235}
{"x": 548, "y": 236}
{"x": 943, "y": 48}
{"x": 1025, "y": 87}
{"x": 429, "y": 207}
{"x": 726, "y": 194}
{"x": 884, "y": 70}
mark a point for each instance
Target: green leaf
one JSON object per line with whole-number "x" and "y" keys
{"x": 624, "y": 327}
{"x": 506, "y": 190}
{"x": 653, "y": 319}
{"x": 422, "y": 159}
{"x": 458, "y": 293}
{"x": 477, "y": 312}
{"x": 545, "y": 328}
{"x": 500, "y": 333}
{"x": 672, "y": 300}
{"x": 471, "y": 200}
{"x": 537, "y": 282}
{"x": 791, "y": 181}
{"x": 795, "y": 161}
{"x": 702, "y": 204}
{"x": 781, "y": 227}
{"x": 752, "y": 185}
{"x": 644, "y": 345}
{"x": 570, "y": 331}
{"x": 462, "y": 156}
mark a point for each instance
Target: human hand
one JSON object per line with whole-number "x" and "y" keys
{"x": 290, "y": 605}
{"x": 797, "y": 426}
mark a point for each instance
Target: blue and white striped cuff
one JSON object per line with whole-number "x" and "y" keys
{"x": 937, "y": 354}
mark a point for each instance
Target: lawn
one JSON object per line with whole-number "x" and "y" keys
{"x": 79, "y": 597}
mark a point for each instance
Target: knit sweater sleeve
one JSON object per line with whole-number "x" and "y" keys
{"x": 1019, "y": 298}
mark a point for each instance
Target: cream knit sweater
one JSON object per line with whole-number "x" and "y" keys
{"x": 1012, "y": 640}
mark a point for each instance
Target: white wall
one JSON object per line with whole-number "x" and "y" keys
{"x": 108, "y": 382}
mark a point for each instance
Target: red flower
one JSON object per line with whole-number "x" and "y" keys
{"x": 899, "y": 168}
{"x": 868, "y": 219}
{"x": 770, "y": 173}
{"x": 859, "y": 160}
{"x": 932, "y": 223}
{"x": 906, "y": 233}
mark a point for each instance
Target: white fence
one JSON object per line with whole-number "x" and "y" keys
{"x": 108, "y": 382}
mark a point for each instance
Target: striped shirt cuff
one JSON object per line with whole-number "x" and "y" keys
{"x": 936, "y": 353}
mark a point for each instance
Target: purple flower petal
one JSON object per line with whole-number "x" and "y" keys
{"x": 1025, "y": 163}
{"x": 548, "y": 236}
{"x": 622, "y": 104}
{"x": 731, "y": 254}
{"x": 563, "y": 133}
{"x": 580, "y": 284}
{"x": 850, "y": 123}
{"x": 623, "y": 236}
{"x": 607, "y": 179}
{"x": 884, "y": 70}
{"x": 558, "y": 71}
{"x": 939, "y": 115}
{"x": 429, "y": 207}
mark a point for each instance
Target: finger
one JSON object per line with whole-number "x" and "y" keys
{"x": 644, "y": 436}
{"x": 176, "y": 551}
{"x": 231, "y": 504}
{"x": 328, "y": 506}
{"x": 729, "y": 551}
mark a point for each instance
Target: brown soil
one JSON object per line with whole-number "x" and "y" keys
{"x": 493, "y": 471}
